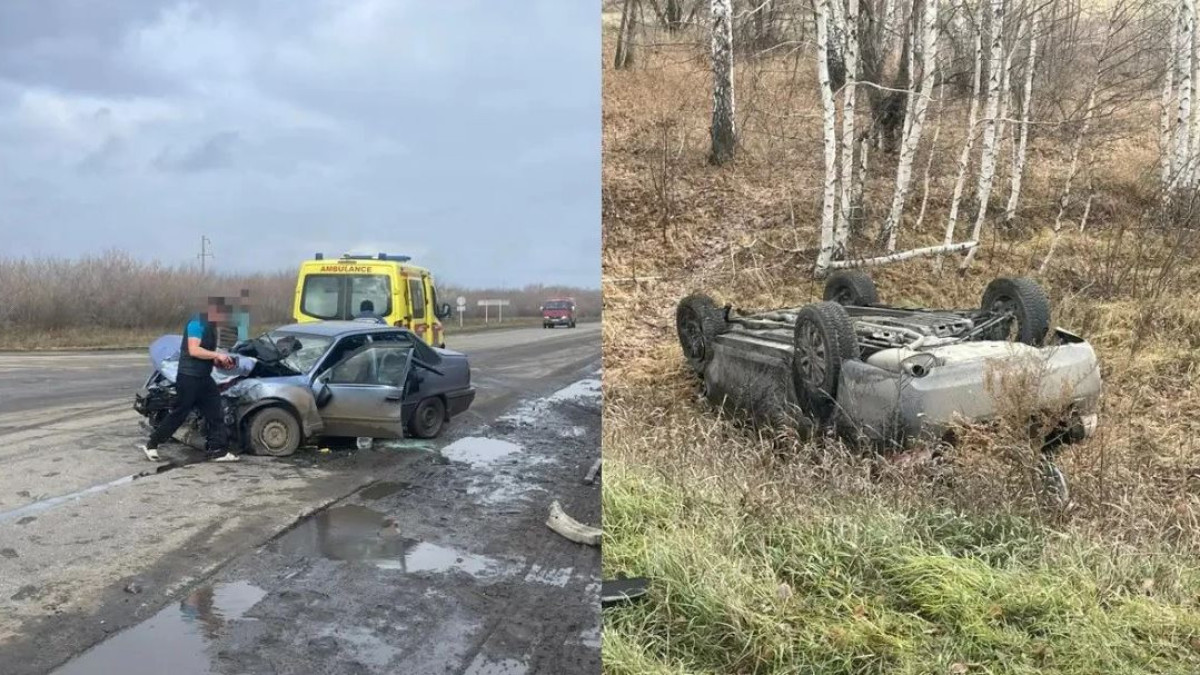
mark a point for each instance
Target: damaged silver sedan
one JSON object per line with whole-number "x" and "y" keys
{"x": 893, "y": 375}
{"x": 326, "y": 379}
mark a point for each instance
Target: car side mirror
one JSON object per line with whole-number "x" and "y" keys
{"x": 324, "y": 395}
{"x": 444, "y": 310}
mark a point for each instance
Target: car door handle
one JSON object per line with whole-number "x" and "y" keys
{"x": 394, "y": 397}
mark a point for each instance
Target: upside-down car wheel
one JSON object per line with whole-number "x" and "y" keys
{"x": 822, "y": 340}
{"x": 851, "y": 287}
{"x": 1025, "y": 299}
{"x": 698, "y": 321}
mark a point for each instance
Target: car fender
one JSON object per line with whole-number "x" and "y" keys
{"x": 254, "y": 395}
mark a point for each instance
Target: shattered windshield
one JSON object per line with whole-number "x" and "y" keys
{"x": 308, "y": 349}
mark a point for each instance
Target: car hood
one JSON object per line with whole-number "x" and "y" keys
{"x": 164, "y": 357}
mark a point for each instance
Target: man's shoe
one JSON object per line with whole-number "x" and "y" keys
{"x": 150, "y": 453}
{"x": 227, "y": 457}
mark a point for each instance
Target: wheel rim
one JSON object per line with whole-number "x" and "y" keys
{"x": 274, "y": 435}
{"x": 810, "y": 356}
{"x": 1006, "y": 330}
{"x": 691, "y": 334}
{"x": 429, "y": 417}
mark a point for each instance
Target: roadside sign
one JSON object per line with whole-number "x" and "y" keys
{"x": 493, "y": 303}
{"x": 462, "y": 307}
{"x": 462, "y": 302}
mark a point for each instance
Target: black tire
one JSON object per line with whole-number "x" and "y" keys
{"x": 1029, "y": 303}
{"x": 822, "y": 340}
{"x": 274, "y": 432}
{"x": 851, "y": 287}
{"x": 698, "y": 322}
{"x": 429, "y": 418}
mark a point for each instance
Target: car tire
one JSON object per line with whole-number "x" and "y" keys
{"x": 698, "y": 322}
{"x": 822, "y": 339}
{"x": 275, "y": 432}
{"x": 1026, "y": 299}
{"x": 851, "y": 287}
{"x": 429, "y": 418}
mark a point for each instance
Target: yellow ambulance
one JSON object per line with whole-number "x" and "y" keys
{"x": 383, "y": 287}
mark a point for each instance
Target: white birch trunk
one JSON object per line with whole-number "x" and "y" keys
{"x": 1005, "y": 95}
{"x": 912, "y": 135}
{"x": 987, "y": 162}
{"x": 903, "y": 255}
{"x": 1168, "y": 95}
{"x": 1194, "y": 121}
{"x": 937, "y": 132}
{"x": 1183, "y": 53}
{"x": 1018, "y": 170}
{"x": 842, "y": 227}
{"x": 964, "y": 157}
{"x": 1065, "y": 198}
{"x": 724, "y": 136}
{"x": 829, "y": 119}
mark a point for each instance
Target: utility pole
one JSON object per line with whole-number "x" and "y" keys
{"x": 205, "y": 242}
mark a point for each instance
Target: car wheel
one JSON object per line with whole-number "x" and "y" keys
{"x": 698, "y": 321}
{"x": 428, "y": 418}
{"x": 274, "y": 432}
{"x": 1028, "y": 303}
{"x": 851, "y": 287}
{"x": 822, "y": 340}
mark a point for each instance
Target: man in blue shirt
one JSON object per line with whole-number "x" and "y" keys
{"x": 194, "y": 386}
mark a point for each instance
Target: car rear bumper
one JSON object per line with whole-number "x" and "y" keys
{"x": 556, "y": 320}
{"x": 887, "y": 406}
{"x": 458, "y": 402}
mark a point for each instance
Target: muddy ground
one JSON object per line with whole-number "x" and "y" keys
{"x": 409, "y": 557}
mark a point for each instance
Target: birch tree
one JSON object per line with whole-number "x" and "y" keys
{"x": 964, "y": 156}
{"x": 829, "y": 124}
{"x": 1168, "y": 95}
{"x": 624, "y": 53}
{"x": 987, "y": 162}
{"x": 1183, "y": 65}
{"x": 724, "y": 138}
{"x": 915, "y": 123}
{"x": 849, "y": 191}
{"x": 1022, "y": 141}
{"x": 1064, "y": 199}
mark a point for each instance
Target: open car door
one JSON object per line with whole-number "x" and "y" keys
{"x": 363, "y": 394}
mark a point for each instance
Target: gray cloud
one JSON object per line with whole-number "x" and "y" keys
{"x": 466, "y": 134}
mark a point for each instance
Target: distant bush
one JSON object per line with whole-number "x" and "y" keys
{"x": 115, "y": 290}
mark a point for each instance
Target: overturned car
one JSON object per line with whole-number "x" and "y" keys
{"x": 893, "y": 375}
{"x": 328, "y": 379}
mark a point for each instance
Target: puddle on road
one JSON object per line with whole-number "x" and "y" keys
{"x": 173, "y": 641}
{"x": 382, "y": 489}
{"x": 357, "y": 533}
{"x": 479, "y": 451}
{"x": 426, "y": 557}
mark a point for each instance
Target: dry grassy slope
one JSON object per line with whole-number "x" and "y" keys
{"x": 681, "y": 225}
{"x": 747, "y": 234}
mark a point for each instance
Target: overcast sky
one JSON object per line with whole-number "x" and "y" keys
{"x": 465, "y": 133}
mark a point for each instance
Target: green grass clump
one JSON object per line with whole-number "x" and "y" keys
{"x": 847, "y": 586}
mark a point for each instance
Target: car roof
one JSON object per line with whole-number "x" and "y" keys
{"x": 336, "y": 329}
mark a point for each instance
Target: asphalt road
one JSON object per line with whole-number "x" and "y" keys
{"x": 409, "y": 557}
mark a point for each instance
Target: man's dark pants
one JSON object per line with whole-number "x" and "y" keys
{"x": 200, "y": 393}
